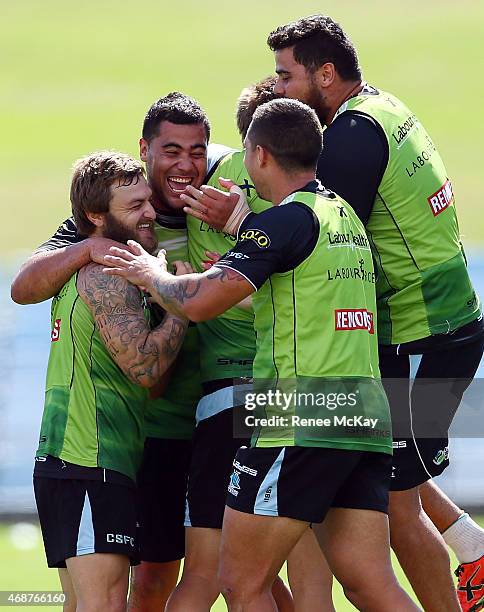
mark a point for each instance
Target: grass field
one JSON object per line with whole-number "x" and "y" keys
{"x": 79, "y": 76}
{"x": 24, "y": 567}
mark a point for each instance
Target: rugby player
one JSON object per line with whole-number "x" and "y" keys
{"x": 174, "y": 148}
{"x": 287, "y": 479}
{"x": 173, "y": 145}
{"x": 103, "y": 353}
{"x": 378, "y": 156}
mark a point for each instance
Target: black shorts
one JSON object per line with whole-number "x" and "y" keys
{"x": 214, "y": 449}
{"x": 80, "y": 517}
{"x": 162, "y": 486}
{"x": 435, "y": 381}
{"x": 304, "y": 483}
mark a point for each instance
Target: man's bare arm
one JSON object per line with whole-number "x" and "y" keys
{"x": 144, "y": 355}
{"x": 198, "y": 297}
{"x": 45, "y": 272}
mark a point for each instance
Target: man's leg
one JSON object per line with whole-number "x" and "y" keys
{"x": 100, "y": 582}
{"x": 152, "y": 585}
{"x": 247, "y": 572}
{"x": 198, "y": 588}
{"x": 309, "y": 576}
{"x": 356, "y": 545}
{"x": 162, "y": 482}
{"x": 464, "y": 536}
{"x": 66, "y": 584}
{"x": 421, "y": 552}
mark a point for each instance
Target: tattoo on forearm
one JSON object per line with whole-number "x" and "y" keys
{"x": 176, "y": 291}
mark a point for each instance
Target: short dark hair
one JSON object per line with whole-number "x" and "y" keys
{"x": 318, "y": 39}
{"x": 290, "y": 131}
{"x": 91, "y": 183}
{"x": 176, "y": 108}
{"x": 252, "y": 97}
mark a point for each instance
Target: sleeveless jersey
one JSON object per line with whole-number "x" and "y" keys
{"x": 423, "y": 287}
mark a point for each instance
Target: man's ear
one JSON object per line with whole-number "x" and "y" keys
{"x": 96, "y": 219}
{"x": 262, "y": 155}
{"x": 143, "y": 149}
{"x": 325, "y": 75}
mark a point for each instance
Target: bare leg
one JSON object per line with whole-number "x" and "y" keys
{"x": 421, "y": 552}
{"x": 247, "y": 572}
{"x": 152, "y": 585}
{"x": 439, "y": 508}
{"x": 310, "y": 578}
{"x": 356, "y": 546}
{"x": 66, "y": 584}
{"x": 282, "y": 596}
{"x": 198, "y": 588}
{"x": 100, "y": 581}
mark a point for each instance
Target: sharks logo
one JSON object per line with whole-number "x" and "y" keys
{"x": 234, "y": 483}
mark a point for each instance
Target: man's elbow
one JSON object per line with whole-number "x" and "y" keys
{"x": 20, "y": 291}
{"x": 199, "y": 313}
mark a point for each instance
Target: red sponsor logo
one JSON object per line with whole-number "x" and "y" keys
{"x": 353, "y": 318}
{"x": 441, "y": 199}
{"x": 54, "y": 336}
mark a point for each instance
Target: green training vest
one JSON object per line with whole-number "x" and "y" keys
{"x": 423, "y": 287}
{"x": 172, "y": 416}
{"x": 316, "y": 333}
{"x": 227, "y": 343}
{"x": 93, "y": 414}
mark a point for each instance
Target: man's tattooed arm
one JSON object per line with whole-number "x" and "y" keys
{"x": 142, "y": 353}
{"x": 200, "y": 296}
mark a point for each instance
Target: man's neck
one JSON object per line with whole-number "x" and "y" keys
{"x": 343, "y": 91}
{"x": 287, "y": 184}
{"x": 163, "y": 209}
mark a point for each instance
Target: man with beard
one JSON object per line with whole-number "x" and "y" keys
{"x": 104, "y": 355}
{"x": 379, "y": 158}
{"x": 174, "y": 147}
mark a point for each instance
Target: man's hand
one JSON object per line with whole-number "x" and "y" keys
{"x": 215, "y": 207}
{"x": 99, "y": 247}
{"x": 182, "y": 267}
{"x": 212, "y": 258}
{"x": 136, "y": 265}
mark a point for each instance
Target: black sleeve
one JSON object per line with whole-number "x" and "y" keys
{"x": 65, "y": 235}
{"x": 353, "y": 160}
{"x": 276, "y": 240}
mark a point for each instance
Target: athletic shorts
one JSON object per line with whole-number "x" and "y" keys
{"x": 304, "y": 483}
{"x": 421, "y": 425}
{"x": 162, "y": 486}
{"x": 214, "y": 449}
{"x": 80, "y": 517}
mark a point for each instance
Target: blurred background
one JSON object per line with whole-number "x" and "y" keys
{"x": 79, "y": 76}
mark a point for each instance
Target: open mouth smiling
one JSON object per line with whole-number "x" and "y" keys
{"x": 178, "y": 184}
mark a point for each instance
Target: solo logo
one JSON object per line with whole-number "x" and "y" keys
{"x": 55, "y": 334}
{"x": 441, "y": 199}
{"x": 353, "y": 318}
{"x": 261, "y": 239}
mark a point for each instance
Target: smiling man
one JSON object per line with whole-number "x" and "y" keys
{"x": 174, "y": 147}
{"x": 279, "y": 258}
{"x": 103, "y": 353}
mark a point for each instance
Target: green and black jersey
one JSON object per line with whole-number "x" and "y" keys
{"x": 93, "y": 414}
{"x": 173, "y": 415}
{"x": 380, "y": 158}
{"x": 310, "y": 262}
{"x": 227, "y": 343}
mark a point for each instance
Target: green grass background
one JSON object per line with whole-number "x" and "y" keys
{"x": 79, "y": 75}
{"x": 26, "y": 569}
